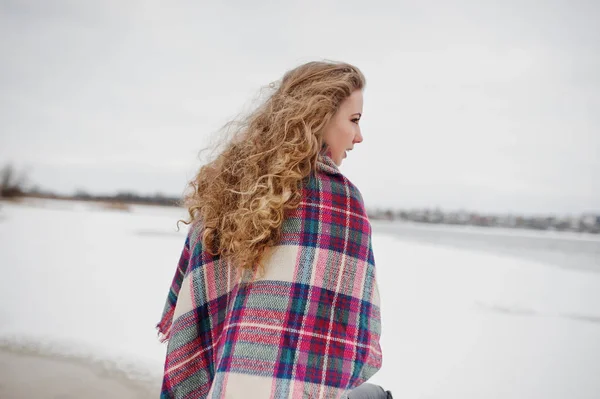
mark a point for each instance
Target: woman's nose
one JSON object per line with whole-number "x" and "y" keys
{"x": 358, "y": 138}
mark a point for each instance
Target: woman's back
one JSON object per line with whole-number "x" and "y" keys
{"x": 308, "y": 327}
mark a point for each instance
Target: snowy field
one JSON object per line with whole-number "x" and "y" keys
{"x": 83, "y": 281}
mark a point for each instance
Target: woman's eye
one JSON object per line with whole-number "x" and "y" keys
{"x": 355, "y": 120}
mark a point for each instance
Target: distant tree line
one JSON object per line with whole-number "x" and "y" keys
{"x": 587, "y": 222}
{"x": 13, "y": 185}
{"x": 131, "y": 198}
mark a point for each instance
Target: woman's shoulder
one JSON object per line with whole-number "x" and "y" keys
{"x": 330, "y": 187}
{"x": 195, "y": 228}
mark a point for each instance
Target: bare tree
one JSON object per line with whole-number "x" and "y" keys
{"x": 11, "y": 184}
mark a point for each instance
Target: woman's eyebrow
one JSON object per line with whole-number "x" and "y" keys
{"x": 357, "y": 113}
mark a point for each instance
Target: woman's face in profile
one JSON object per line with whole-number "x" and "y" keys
{"x": 343, "y": 131}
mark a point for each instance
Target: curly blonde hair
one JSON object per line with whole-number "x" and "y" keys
{"x": 242, "y": 196}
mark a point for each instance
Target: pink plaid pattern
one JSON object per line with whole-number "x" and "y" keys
{"x": 309, "y": 328}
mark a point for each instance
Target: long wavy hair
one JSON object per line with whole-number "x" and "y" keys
{"x": 241, "y": 197}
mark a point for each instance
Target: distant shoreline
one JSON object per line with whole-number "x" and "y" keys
{"x": 169, "y": 202}
{"x": 27, "y": 374}
{"x": 464, "y": 229}
{"x": 493, "y": 230}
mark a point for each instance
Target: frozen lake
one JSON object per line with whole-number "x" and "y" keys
{"x": 579, "y": 251}
{"x": 459, "y": 320}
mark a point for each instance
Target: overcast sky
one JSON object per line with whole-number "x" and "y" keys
{"x": 481, "y": 105}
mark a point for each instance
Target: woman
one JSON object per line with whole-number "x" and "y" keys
{"x": 275, "y": 293}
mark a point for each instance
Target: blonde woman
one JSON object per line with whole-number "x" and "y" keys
{"x": 275, "y": 293}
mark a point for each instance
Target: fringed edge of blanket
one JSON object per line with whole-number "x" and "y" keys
{"x": 164, "y": 326}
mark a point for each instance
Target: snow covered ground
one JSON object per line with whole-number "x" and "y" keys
{"x": 78, "y": 279}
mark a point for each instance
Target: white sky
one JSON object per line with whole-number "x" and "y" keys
{"x": 489, "y": 106}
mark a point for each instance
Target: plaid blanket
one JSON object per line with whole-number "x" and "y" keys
{"x": 308, "y": 329}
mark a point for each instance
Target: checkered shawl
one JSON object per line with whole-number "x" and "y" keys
{"x": 309, "y": 328}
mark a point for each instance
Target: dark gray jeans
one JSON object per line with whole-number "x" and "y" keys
{"x": 369, "y": 391}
